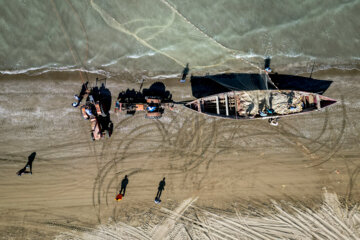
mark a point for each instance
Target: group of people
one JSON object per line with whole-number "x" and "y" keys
{"x": 125, "y": 182}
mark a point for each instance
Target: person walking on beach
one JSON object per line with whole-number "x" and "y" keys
{"x": 28, "y": 165}
{"x": 185, "y": 73}
{"x": 124, "y": 183}
{"x": 160, "y": 189}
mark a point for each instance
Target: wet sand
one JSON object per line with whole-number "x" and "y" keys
{"x": 224, "y": 164}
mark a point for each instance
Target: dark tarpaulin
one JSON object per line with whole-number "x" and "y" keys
{"x": 213, "y": 84}
{"x": 238, "y": 82}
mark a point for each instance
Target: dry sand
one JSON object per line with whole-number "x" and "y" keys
{"x": 212, "y": 166}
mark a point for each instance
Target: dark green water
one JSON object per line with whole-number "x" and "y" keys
{"x": 161, "y": 36}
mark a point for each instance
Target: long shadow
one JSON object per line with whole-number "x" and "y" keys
{"x": 158, "y": 89}
{"x": 31, "y": 158}
{"x": 103, "y": 95}
{"x": 124, "y": 184}
{"x": 131, "y": 96}
{"x": 105, "y": 98}
{"x": 154, "y": 99}
{"x": 203, "y": 86}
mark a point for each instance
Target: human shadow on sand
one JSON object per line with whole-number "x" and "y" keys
{"x": 103, "y": 95}
{"x": 158, "y": 89}
{"x": 31, "y": 158}
{"x": 132, "y": 100}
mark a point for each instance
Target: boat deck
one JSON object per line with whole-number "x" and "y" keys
{"x": 249, "y": 104}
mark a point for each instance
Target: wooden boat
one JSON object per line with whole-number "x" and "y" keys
{"x": 259, "y": 104}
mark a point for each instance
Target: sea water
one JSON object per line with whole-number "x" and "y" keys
{"x": 160, "y": 37}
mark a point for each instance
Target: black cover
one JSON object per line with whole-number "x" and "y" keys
{"x": 203, "y": 86}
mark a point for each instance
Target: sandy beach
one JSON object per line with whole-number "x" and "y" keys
{"x": 225, "y": 167}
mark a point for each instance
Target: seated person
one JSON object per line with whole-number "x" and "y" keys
{"x": 270, "y": 111}
{"x": 262, "y": 114}
{"x": 88, "y": 112}
{"x": 151, "y": 107}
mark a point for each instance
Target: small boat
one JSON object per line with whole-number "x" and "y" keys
{"x": 259, "y": 104}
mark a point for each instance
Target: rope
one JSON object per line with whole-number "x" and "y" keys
{"x": 67, "y": 38}
{"x": 233, "y": 51}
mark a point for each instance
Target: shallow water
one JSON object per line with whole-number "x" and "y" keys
{"x": 161, "y": 36}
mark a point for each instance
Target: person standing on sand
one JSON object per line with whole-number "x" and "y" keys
{"x": 124, "y": 183}
{"x": 28, "y": 165}
{"x": 185, "y": 73}
{"x": 160, "y": 189}
{"x": 79, "y": 97}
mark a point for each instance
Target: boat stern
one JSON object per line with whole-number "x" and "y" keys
{"x": 326, "y": 101}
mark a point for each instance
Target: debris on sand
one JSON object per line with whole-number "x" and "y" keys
{"x": 283, "y": 221}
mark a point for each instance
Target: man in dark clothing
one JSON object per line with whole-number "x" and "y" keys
{"x": 28, "y": 165}
{"x": 124, "y": 183}
{"x": 160, "y": 189}
{"x": 185, "y": 73}
{"x": 79, "y": 97}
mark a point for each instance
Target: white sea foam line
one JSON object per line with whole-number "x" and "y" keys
{"x": 163, "y": 76}
{"x": 110, "y": 63}
{"x": 98, "y": 71}
{"x": 133, "y": 56}
{"x": 49, "y": 68}
{"x": 141, "y": 55}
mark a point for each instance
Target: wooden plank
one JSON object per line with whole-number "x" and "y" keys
{"x": 226, "y": 105}
{"x": 318, "y": 102}
{"x": 236, "y": 106}
{"x": 217, "y": 105}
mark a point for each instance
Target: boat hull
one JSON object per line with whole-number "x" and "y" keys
{"x": 259, "y": 104}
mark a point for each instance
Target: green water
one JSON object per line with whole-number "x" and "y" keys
{"x": 161, "y": 36}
